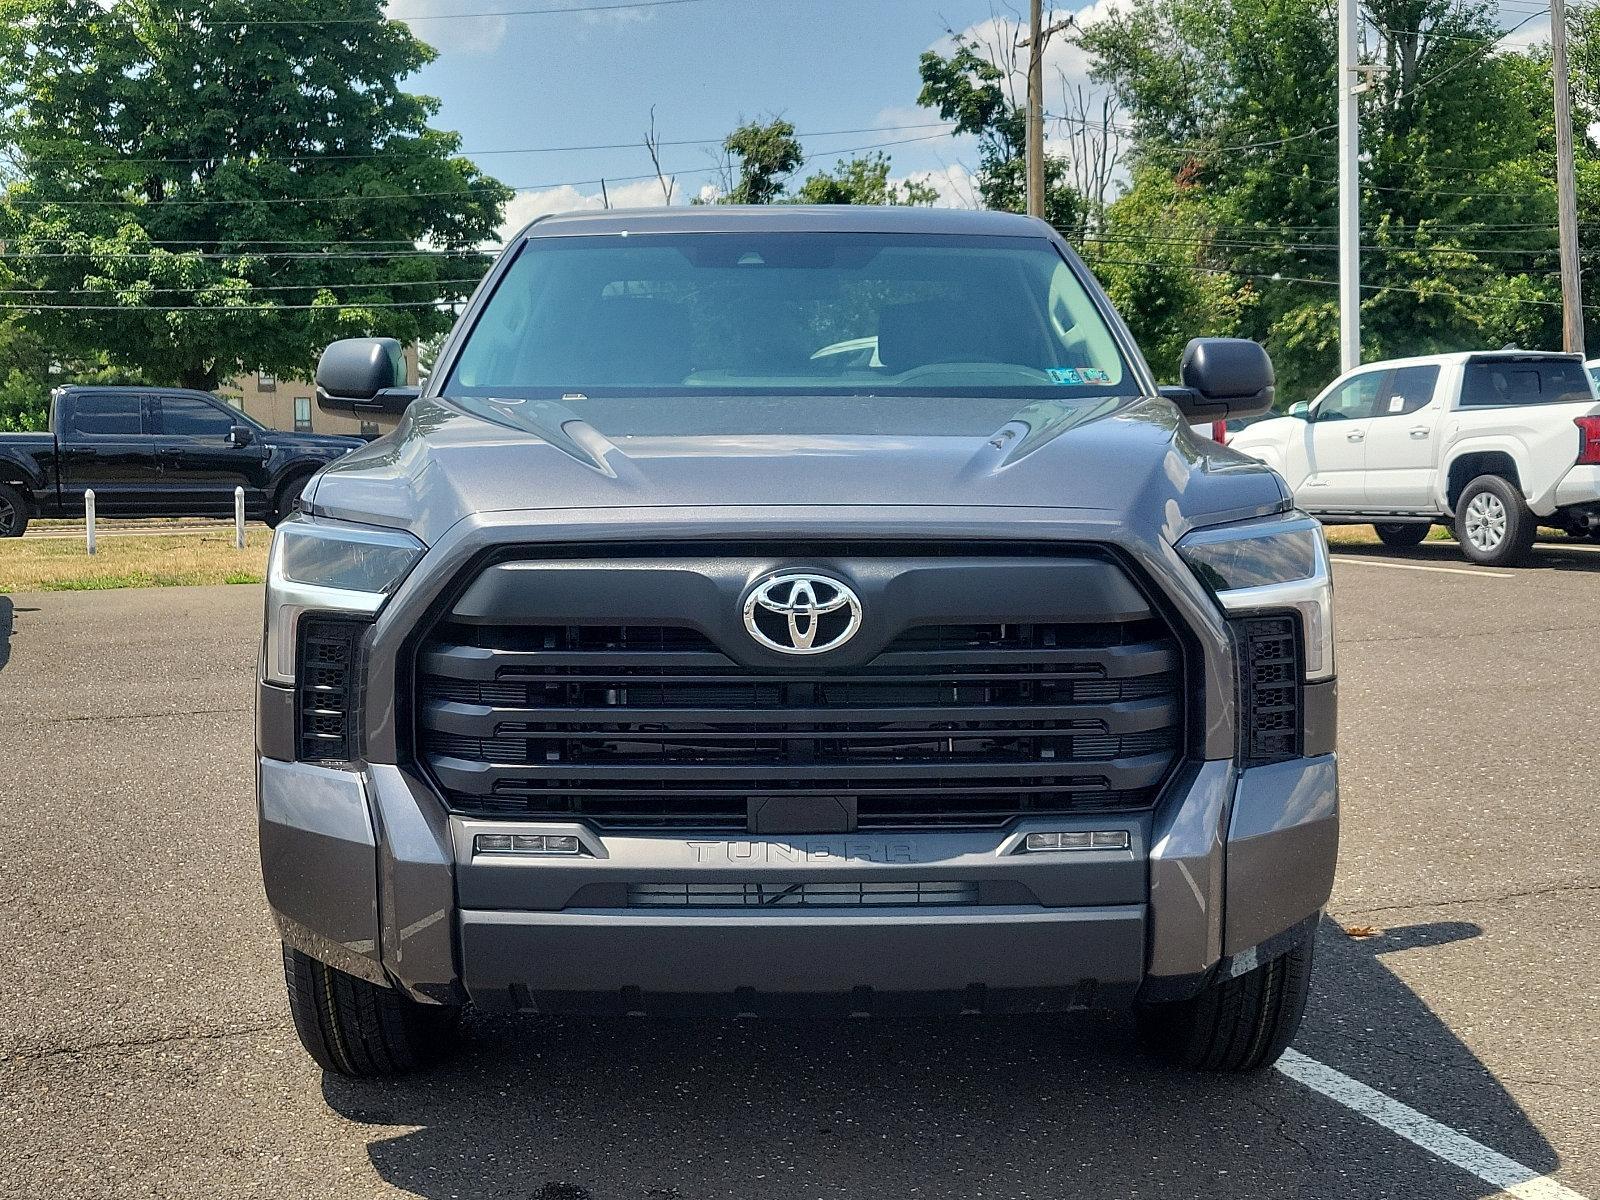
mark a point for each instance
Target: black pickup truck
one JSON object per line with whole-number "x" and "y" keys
{"x": 154, "y": 452}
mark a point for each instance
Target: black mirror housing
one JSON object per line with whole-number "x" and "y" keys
{"x": 363, "y": 375}
{"x": 240, "y": 435}
{"x": 1222, "y": 378}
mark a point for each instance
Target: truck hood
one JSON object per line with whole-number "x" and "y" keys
{"x": 1120, "y": 458}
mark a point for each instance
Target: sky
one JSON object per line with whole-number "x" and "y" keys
{"x": 587, "y": 78}
{"x": 844, "y": 72}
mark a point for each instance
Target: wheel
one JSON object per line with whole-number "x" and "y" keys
{"x": 1402, "y": 535}
{"x": 13, "y": 512}
{"x": 283, "y": 500}
{"x": 1493, "y": 523}
{"x": 352, "y": 1027}
{"x": 1238, "y": 1024}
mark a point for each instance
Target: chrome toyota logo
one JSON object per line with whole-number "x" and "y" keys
{"x": 802, "y": 614}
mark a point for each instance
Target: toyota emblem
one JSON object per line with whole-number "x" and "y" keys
{"x": 797, "y": 613}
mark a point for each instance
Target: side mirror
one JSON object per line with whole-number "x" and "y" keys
{"x": 1301, "y": 409}
{"x": 363, "y": 375}
{"x": 1222, "y": 378}
{"x": 240, "y": 435}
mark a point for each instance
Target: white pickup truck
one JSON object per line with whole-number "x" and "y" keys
{"x": 1496, "y": 444}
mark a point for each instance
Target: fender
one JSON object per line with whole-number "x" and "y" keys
{"x": 20, "y": 465}
{"x": 1487, "y": 443}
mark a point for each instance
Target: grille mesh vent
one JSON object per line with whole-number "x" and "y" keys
{"x": 798, "y": 895}
{"x": 325, "y": 688}
{"x": 1271, "y": 721}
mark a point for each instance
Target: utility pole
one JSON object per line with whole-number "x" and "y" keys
{"x": 1349, "y": 190}
{"x": 1035, "y": 148}
{"x": 1566, "y": 186}
{"x": 1033, "y": 151}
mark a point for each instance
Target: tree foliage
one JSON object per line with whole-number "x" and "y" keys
{"x": 759, "y": 159}
{"x": 863, "y": 180}
{"x": 198, "y": 192}
{"x": 968, "y": 87}
{"x": 1232, "y": 104}
{"x": 763, "y": 156}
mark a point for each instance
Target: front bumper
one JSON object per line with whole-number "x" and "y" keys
{"x": 366, "y": 871}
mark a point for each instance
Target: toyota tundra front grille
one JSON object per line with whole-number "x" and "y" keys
{"x": 648, "y": 727}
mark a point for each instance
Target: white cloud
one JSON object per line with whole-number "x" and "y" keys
{"x": 1534, "y": 33}
{"x": 525, "y": 206}
{"x": 617, "y": 16}
{"x": 999, "y": 35}
{"x": 953, "y": 182}
{"x": 904, "y": 116}
{"x": 467, "y": 35}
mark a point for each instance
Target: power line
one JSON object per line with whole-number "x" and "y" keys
{"x": 466, "y": 16}
{"x": 259, "y": 310}
{"x": 1276, "y": 277}
{"x": 1224, "y": 243}
{"x": 347, "y": 285}
{"x": 367, "y": 156}
{"x": 403, "y": 196}
{"x": 308, "y": 255}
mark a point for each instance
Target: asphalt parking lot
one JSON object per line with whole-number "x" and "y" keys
{"x": 145, "y": 1049}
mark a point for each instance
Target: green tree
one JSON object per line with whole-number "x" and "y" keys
{"x": 199, "y": 191}
{"x": 760, "y": 158}
{"x": 863, "y": 180}
{"x": 1235, "y": 100}
{"x": 969, "y": 88}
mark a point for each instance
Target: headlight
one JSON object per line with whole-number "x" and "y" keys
{"x": 323, "y": 566}
{"x": 1271, "y": 563}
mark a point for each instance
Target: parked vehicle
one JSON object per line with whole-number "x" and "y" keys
{"x": 1495, "y": 444}
{"x": 656, "y": 659}
{"x": 154, "y": 452}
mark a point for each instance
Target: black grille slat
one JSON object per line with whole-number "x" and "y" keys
{"x": 482, "y": 720}
{"x": 654, "y": 728}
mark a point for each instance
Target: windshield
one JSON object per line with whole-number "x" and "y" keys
{"x": 769, "y": 313}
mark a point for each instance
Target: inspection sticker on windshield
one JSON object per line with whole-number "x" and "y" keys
{"x": 1077, "y": 376}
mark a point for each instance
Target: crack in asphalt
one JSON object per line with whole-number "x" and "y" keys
{"x": 1474, "y": 1067}
{"x": 1282, "y": 1133}
{"x": 36, "y": 1054}
{"x": 150, "y": 716}
{"x": 1552, "y": 890}
{"x": 1436, "y": 636}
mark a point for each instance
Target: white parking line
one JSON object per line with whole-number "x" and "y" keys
{"x": 1458, "y": 1149}
{"x": 1372, "y": 562}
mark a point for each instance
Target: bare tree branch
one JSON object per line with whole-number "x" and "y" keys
{"x": 652, "y": 143}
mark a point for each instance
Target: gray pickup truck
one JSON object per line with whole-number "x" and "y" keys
{"x": 798, "y": 609}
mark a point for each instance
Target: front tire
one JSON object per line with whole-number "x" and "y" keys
{"x": 283, "y": 499}
{"x": 1494, "y": 525}
{"x": 13, "y": 512}
{"x": 1402, "y": 535}
{"x": 355, "y": 1028}
{"x": 1238, "y": 1024}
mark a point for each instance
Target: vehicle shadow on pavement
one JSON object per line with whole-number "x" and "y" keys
{"x": 567, "y": 1109}
{"x": 1555, "y": 554}
{"x": 7, "y": 625}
